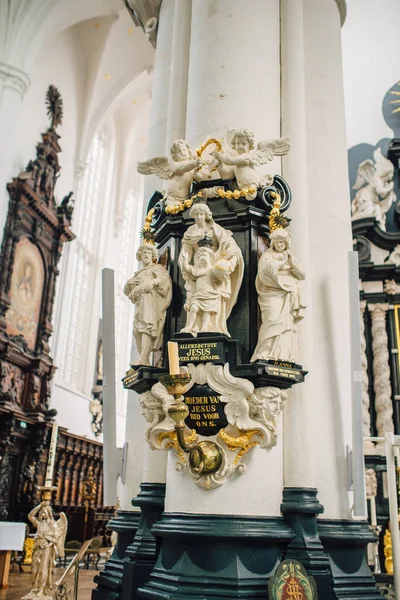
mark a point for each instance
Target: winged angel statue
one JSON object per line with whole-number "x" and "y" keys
{"x": 49, "y": 542}
{"x": 375, "y": 189}
{"x": 180, "y": 173}
{"x": 241, "y": 159}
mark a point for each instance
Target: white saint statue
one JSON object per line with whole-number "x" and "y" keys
{"x": 212, "y": 279}
{"x": 49, "y": 542}
{"x": 375, "y": 189}
{"x": 280, "y": 301}
{"x": 207, "y": 290}
{"x": 150, "y": 289}
{"x": 243, "y": 159}
{"x": 185, "y": 168}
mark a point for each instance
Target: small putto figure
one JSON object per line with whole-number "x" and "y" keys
{"x": 375, "y": 189}
{"x": 243, "y": 158}
{"x": 49, "y": 542}
{"x": 204, "y": 302}
{"x": 150, "y": 289}
{"x": 280, "y": 301}
{"x": 185, "y": 168}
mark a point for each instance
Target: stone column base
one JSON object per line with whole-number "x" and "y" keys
{"x": 109, "y": 581}
{"x": 142, "y": 553}
{"x": 215, "y": 556}
{"x": 345, "y": 543}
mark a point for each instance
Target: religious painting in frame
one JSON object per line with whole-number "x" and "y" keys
{"x": 26, "y": 291}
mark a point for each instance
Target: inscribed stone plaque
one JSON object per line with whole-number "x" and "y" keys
{"x": 196, "y": 352}
{"x": 206, "y": 411}
{"x": 285, "y": 369}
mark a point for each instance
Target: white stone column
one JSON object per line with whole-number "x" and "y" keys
{"x": 318, "y": 413}
{"x": 381, "y": 369}
{"x": 13, "y": 85}
{"x": 134, "y": 435}
{"x": 234, "y": 81}
{"x": 298, "y": 412}
{"x": 234, "y": 71}
{"x": 160, "y": 94}
{"x": 176, "y": 123}
{"x": 329, "y": 241}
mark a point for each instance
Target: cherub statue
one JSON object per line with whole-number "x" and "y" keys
{"x": 266, "y": 405}
{"x": 243, "y": 158}
{"x": 185, "y": 168}
{"x": 151, "y": 290}
{"x": 375, "y": 189}
{"x": 49, "y": 542}
{"x": 204, "y": 281}
{"x": 154, "y": 404}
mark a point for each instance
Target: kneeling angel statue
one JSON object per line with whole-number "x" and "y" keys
{"x": 243, "y": 159}
{"x": 180, "y": 173}
{"x": 150, "y": 289}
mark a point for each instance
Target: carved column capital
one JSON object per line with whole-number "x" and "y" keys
{"x": 363, "y": 306}
{"x": 341, "y": 4}
{"x": 378, "y": 310}
{"x": 14, "y": 78}
{"x": 145, "y": 14}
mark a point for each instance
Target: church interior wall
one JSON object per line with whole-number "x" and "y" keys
{"x": 102, "y": 90}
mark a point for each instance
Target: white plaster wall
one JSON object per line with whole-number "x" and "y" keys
{"x": 371, "y": 65}
{"x": 256, "y": 492}
{"x": 58, "y": 65}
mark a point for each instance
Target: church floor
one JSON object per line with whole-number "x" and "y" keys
{"x": 20, "y": 584}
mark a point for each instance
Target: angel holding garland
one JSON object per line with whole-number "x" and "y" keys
{"x": 243, "y": 159}
{"x": 180, "y": 173}
{"x": 375, "y": 189}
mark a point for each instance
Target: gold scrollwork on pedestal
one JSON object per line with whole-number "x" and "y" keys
{"x": 243, "y": 442}
{"x": 388, "y": 552}
{"x": 173, "y": 442}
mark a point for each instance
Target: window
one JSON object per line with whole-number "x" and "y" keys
{"x": 83, "y": 258}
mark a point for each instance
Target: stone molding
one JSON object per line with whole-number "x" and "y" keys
{"x": 145, "y": 14}
{"x": 381, "y": 369}
{"x": 80, "y": 167}
{"x": 14, "y": 78}
{"x": 341, "y": 4}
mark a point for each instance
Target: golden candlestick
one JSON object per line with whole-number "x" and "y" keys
{"x": 205, "y": 458}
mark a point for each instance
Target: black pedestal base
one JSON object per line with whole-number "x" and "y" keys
{"x": 212, "y": 556}
{"x": 345, "y": 544}
{"x": 109, "y": 581}
{"x": 142, "y": 553}
{"x": 300, "y": 508}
